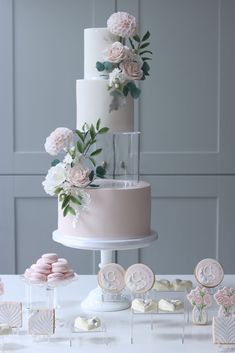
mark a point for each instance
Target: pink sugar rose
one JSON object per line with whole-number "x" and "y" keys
{"x": 122, "y": 24}
{"x": 207, "y": 299}
{"x": 131, "y": 70}
{"x": 198, "y": 300}
{"x": 116, "y": 53}
{"x": 79, "y": 175}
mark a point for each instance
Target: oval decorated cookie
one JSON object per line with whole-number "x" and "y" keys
{"x": 209, "y": 273}
{"x": 139, "y": 278}
{"x": 111, "y": 278}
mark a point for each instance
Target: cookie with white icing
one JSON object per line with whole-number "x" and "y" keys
{"x": 139, "y": 278}
{"x": 111, "y": 278}
{"x": 42, "y": 322}
{"x": 209, "y": 273}
{"x": 11, "y": 314}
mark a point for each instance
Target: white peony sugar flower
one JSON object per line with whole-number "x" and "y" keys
{"x": 55, "y": 177}
{"x": 60, "y": 139}
{"x": 122, "y": 24}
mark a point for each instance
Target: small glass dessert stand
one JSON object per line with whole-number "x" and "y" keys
{"x": 44, "y": 294}
{"x": 95, "y": 299}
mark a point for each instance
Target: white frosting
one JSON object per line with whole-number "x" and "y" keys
{"x": 144, "y": 306}
{"x": 96, "y": 40}
{"x": 93, "y": 102}
{"x": 87, "y": 324}
{"x": 170, "y": 305}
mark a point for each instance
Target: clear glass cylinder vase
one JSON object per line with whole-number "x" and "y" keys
{"x": 120, "y": 155}
{"x": 199, "y": 316}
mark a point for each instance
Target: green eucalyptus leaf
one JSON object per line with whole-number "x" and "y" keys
{"x": 75, "y": 200}
{"x": 80, "y": 134}
{"x": 80, "y": 147}
{"x": 145, "y": 58}
{"x": 100, "y": 66}
{"x": 58, "y": 190}
{"x": 145, "y": 68}
{"x": 66, "y": 201}
{"x": 66, "y": 210}
{"x": 92, "y": 132}
{"x": 100, "y": 171}
{"x": 146, "y": 36}
{"x": 146, "y": 51}
{"x": 91, "y": 175}
{"x": 103, "y": 130}
{"x": 92, "y": 161}
{"x": 125, "y": 90}
{"x": 136, "y": 38}
{"x": 61, "y": 197}
{"x": 131, "y": 43}
{"x": 98, "y": 124}
{"x": 108, "y": 66}
{"x": 144, "y": 45}
{"x": 71, "y": 210}
{"x": 55, "y": 162}
{"x": 96, "y": 152}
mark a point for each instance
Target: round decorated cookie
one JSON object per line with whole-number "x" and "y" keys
{"x": 139, "y": 278}
{"x": 209, "y": 273}
{"x": 111, "y": 278}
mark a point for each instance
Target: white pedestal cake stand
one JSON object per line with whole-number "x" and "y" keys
{"x": 94, "y": 300}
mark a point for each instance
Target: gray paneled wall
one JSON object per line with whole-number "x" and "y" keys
{"x": 186, "y": 116}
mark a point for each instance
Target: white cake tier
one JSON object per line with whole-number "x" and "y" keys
{"x": 119, "y": 210}
{"x": 93, "y": 101}
{"x": 96, "y": 40}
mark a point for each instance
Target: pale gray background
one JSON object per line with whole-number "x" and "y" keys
{"x": 186, "y": 115}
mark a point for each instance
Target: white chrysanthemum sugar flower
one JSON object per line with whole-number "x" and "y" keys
{"x": 122, "y": 24}
{"x": 60, "y": 139}
{"x": 116, "y": 77}
{"x": 55, "y": 177}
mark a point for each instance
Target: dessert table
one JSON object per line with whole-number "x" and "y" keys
{"x": 164, "y": 337}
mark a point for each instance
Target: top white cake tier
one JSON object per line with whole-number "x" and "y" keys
{"x": 96, "y": 40}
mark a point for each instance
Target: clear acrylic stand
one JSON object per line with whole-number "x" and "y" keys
{"x": 94, "y": 334}
{"x": 157, "y": 295}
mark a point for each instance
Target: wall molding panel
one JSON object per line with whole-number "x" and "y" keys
{"x": 185, "y": 115}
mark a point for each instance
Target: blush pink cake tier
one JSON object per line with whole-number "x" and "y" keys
{"x": 119, "y": 210}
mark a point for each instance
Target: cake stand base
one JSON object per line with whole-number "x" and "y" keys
{"x": 95, "y": 302}
{"x": 96, "y": 299}
{"x": 103, "y": 244}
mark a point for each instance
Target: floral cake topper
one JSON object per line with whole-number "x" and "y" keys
{"x": 70, "y": 177}
{"x": 123, "y": 65}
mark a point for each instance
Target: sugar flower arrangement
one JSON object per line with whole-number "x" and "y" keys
{"x": 124, "y": 65}
{"x": 70, "y": 177}
{"x": 200, "y": 297}
{"x": 225, "y": 297}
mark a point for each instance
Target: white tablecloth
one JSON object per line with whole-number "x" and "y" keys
{"x": 164, "y": 338}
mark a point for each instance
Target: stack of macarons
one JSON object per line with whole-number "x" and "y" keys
{"x": 49, "y": 268}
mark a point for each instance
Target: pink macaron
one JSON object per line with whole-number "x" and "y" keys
{"x": 69, "y": 274}
{"x": 44, "y": 268}
{"x": 55, "y": 277}
{"x": 59, "y": 267}
{"x": 62, "y": 260}
{"x": 38, "y": 277}
{"x": 50, "y": 257}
